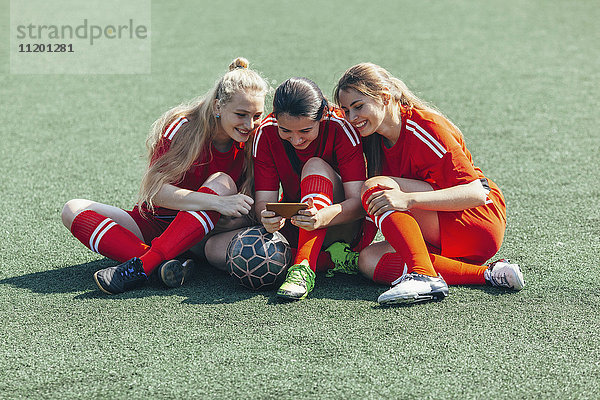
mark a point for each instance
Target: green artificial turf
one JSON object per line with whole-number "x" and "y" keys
{"x": 520, "y": 78}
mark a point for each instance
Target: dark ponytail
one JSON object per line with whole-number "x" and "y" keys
{"x": 300, "y": 97}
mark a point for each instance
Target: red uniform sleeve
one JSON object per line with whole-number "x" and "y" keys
{"x": 440, "y": 155}
{"x": 265, "y": 172}
{"x": 160, "y": 149}
{"x": 348, "y": 151}
{"x": 164, "y": 144}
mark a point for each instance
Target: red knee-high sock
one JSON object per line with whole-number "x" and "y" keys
{"x": 320, "y": 189}
{"x": 187, "y": 229}
{"x": 103, "y": 235}
{"x": 402, "y": 231}
{"x": 389, "y": 268}
{"x": 324, "y": 262}
{"x": 369, "y": 230}
{"x": 457, "y": 272}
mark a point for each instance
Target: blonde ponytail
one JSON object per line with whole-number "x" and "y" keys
{"x": 239, "y": 62}
{"x": 194, "y": 138}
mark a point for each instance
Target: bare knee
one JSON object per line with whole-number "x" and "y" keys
{"x": 367, "y": 261}
{"x": 318, "y": 166}
{"x": 215, "y": 249}
{"x": 214, "y": 254}
{"x": 71, "y": 209}
{"x": 221, "y": 183}
{"x": 375, "y": 181}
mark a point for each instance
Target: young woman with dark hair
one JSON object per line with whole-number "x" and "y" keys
{"x": 316, "y": 156}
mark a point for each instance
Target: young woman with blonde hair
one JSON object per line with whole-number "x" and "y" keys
{"x": 199, "y": 171}
{"x": 440, "y": 216}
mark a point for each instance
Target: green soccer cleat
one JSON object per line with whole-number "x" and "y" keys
{"x": 299, "y": 282}
{"x": 345, "y": 260}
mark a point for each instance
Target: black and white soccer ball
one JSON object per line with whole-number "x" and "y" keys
{"x": 258, "y": 259}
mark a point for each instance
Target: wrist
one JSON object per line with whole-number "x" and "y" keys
{"x": 324, "y": 216}
{"x": 412, "y": 200}
{"x": 215, "y": 205}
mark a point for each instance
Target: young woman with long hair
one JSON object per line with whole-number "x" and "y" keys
{"x": 198, "y": 172}
{"x": 306, "y": 147}
{"x": 440, "y": 215}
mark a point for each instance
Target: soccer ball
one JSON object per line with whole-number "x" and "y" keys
{"x": 258, "y": 259}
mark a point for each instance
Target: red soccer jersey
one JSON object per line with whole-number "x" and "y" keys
{"x": 231, "y": 162}
{"x": 430, "y": 148}
{"x": 338, "y": 144}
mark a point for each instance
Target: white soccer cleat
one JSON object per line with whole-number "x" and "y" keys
{"x": 502, "y": 273}
{"x": 414, "y": 288}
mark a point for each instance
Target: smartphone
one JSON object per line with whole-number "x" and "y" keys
{"x": 286, "y": 210}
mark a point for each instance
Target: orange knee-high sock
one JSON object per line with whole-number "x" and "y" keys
{"x": 320, "y": 190}
{"x": 187, "y": 229}
{"x": 454, "y": 272}
{"x": 402, "y": 231}
{"x": 103, "y": 235}
{"x": 457, "y": 272}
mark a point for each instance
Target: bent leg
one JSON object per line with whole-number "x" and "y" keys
{"x": 318, "y": 183}
{"x": 104, "y": 229}
{"x": 73, "y": 207}
{"x": 188, "y": 227}
{"x": 380, "y": 263}
{"x": 369, "y": 257}
{"x": 427, "y": 219}
{"x": 215, "y": 249}
{"x": 400, "y": 229}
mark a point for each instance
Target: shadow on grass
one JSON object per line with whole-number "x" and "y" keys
{"x": 221, "y": 288}
{"x": 60, "y": 280}
{"x": 206, "y": 286}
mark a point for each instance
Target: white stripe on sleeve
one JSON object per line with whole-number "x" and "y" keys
{"x": 174, "y": 131}
{"x": 268, "y": 121}
{"x": 426, "y": 138}
{"x": 354, "y": 138}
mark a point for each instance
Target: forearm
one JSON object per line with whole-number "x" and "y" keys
{"x": 347, "y": 211}
{"x": 175, "y": 198}
{"x": 226, "y": 224}
{"x": 261, "y": 198}
{"x": 455, "y": 198}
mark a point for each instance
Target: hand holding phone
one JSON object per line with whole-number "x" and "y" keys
{"x": 286, "y": 210}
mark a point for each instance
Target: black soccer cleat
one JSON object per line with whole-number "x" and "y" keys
{"x": 173, "y": 273}
{"x": 121, "y": 278}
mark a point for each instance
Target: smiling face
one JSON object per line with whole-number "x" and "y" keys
{"x": 299, "y": 131}
{"x": 240, "y": 116}
{"x": 364, "y": 113}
